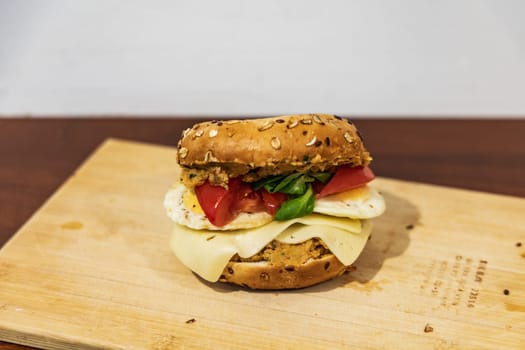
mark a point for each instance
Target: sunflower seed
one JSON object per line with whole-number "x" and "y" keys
{"x": 292, "y": 124}
{"x": 198, "y": 133}
{"x": 312, "y": 142}
{"x": 318, "y": 119}
{"x": 307, "y": 121}
{"x": 266, "y": 126}
{"x": 348, "y": 137}
{"x": 213, "y": 133}
{"x": 276, "y": 143}
{"x": 183, "y": 152}
{"x": 208, "y": 156}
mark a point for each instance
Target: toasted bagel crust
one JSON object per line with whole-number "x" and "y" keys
{"x": 301, "y": 142}
{"x": 262, "y": 275}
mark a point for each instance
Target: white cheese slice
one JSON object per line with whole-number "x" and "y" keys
{"x": 345, "y": 245}
{"x": 207, "y": 252}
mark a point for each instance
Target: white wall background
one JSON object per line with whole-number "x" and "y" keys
{"x": 262, "y": 57}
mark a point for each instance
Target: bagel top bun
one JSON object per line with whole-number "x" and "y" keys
{"x": 269, "y": 146}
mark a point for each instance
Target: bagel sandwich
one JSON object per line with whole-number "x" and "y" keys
{"x": 272, "y": 203}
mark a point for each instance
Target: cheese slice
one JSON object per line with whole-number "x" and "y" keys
{"x": 207, "y": 252}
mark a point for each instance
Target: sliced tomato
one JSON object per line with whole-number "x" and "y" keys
{"x": 222, "y": 205}
{"x": 272, "y": 201}
{"x": 346, "y": 178}
{"x": 215, "y": 202}
{"x": 251, "y": 202}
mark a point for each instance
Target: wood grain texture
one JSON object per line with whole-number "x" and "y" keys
{"x": 92, "y": 269}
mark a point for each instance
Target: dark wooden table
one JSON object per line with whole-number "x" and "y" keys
{"x": 37, "y": 155}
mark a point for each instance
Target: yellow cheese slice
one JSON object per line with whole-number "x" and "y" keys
{"x": 207, "y": 252}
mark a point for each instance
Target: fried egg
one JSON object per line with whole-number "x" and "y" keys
{"x": 183, "y": 207}
{"x": 361, "y": 203}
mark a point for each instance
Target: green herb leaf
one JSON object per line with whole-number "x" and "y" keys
{"x": 268, "y": 183}
{"x": 323, "y": 177}
{"x": 298, "y": 206}
{"x": 299, "y": 186}
{"x": 288, "y": 182}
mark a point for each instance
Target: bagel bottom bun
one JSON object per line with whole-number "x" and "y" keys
{"x": 303, "y": 252}
{"x": 262, "y": 275}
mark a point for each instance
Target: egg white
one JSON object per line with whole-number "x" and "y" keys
{"x": 361, "y": 203}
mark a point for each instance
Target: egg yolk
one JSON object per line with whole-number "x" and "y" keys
{"x": 192, "y": 203}
{"x": 352, "y": 195}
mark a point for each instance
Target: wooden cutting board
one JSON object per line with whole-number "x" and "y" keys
{"x": 92, "y": 269}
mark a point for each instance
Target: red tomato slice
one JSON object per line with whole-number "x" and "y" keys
{"x": 215, "y": 202}
{"x": 222, "y": 205}
{"x": 346, "y": 178}
{"x": 273, "y": 201}
{"x": 251, "y": 202}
